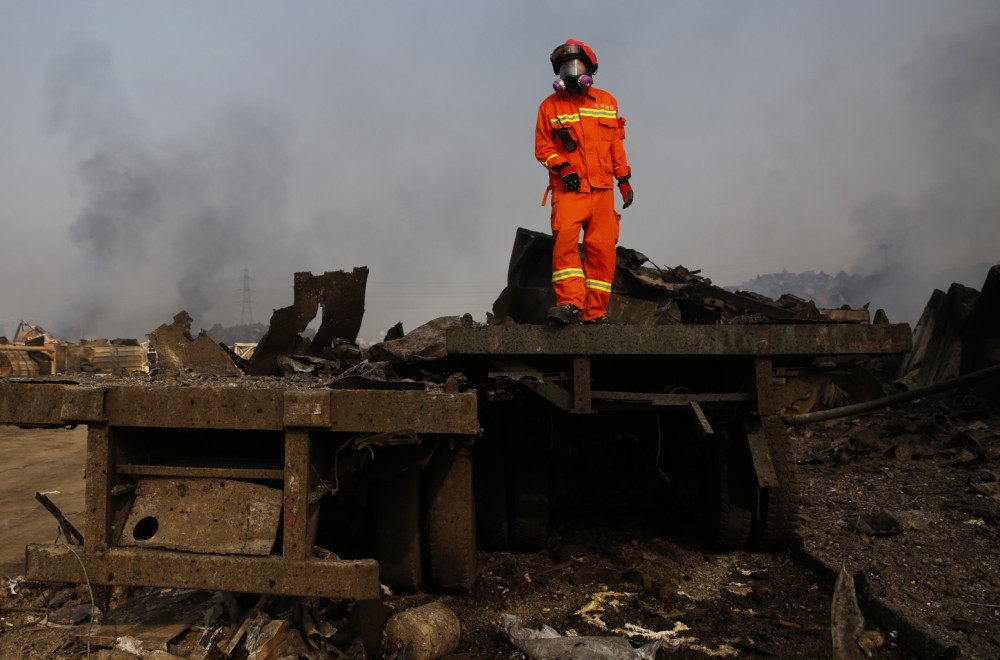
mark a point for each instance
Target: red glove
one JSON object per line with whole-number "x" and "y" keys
{"x": 626, "y": 190}
{"x": 570, "y": 179}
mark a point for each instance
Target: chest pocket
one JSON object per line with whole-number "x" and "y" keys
{"x": 607, "y": 127}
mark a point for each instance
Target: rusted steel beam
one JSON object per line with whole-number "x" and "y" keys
{"x": 355, "y": 579}
{"x": 760, "y": 454}
{"x": 239, "y": 408}
{"x": 97, "y": 488}
{"x": 296, "y": 541}
{"x": 764, "y": 378}
{"x": 263, "y": 474}
{"x": 771, "y": 340}
{"x": 675, "y": 400}
{"x": 31, "y": 404}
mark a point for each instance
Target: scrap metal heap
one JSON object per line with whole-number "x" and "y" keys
{"x": 317, "y": 468}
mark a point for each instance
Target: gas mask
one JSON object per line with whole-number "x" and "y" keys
{"x": 573, "y": 77}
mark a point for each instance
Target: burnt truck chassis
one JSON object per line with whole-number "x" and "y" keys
{"x": 709, "y": 389}
{"x": 184, "y": 438}
{"x": 704, "y": 395}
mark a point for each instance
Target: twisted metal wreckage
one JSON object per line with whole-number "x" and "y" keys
{"x": 318, "y": 468}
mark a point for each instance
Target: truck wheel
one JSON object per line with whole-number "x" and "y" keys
{"x": 776, "y": 526}
{"x": 397, "y": 531}
{"x": 450, "y": 519}
{"x": 726, "y": 522}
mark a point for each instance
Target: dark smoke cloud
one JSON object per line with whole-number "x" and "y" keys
{"x": 951, "y": 233}
{"x": 162, "y": 219}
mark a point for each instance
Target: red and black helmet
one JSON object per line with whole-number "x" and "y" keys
{"x": 573, "y": 50}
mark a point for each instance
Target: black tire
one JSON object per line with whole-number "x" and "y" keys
{"x": 726, "y": 520}
{"x": 450, "y": 519}
{"x": 397, "y": 531}
{"x": 776, "y": 526}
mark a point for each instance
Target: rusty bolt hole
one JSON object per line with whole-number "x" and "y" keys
{"x": 145, "y": 529}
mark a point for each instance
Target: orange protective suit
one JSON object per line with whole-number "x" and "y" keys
{"x": 593, "y": 123}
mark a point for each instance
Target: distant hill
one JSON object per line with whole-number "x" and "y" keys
{"x": 249, "y": 333}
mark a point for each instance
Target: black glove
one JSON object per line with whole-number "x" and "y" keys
{"x": 570, "y": 179}
{"x": 626, "y": 190}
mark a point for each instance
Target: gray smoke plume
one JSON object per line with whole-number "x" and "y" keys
{"x": 951, "y": 233}
{"x": 161, "y": 219}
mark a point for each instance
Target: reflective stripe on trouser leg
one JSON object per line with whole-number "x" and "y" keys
{"x": 600, "y": 238}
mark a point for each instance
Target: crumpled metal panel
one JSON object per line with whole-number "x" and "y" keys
{"x": 203, "y": 515}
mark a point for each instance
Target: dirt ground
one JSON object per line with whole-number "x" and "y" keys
{"x": 903, "y": 499}
{"x": 37, "y": 460}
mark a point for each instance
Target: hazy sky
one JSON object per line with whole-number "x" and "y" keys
{"x": 152, "y": 151}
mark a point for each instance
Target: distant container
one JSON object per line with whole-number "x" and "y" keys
{"x": 115, "y": 359}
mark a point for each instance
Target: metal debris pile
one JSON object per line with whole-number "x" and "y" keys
{"x": 650, "y": 295}
{"x": 167, "y": 624}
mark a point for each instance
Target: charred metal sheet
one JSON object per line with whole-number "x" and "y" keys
{"x": 178, "y": 352}
{"x": 425, "y": 412}
{"x": 780, "y": 339}
{"x": 342, "y": 296}
{"x": 203, "y": 515}
{"x": 281, "y": 338}
{"x": 420, "y": 346}
{"x": 140, "y": 567}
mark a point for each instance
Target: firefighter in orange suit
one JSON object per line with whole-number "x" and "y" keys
{"x": 578, "y": 139}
